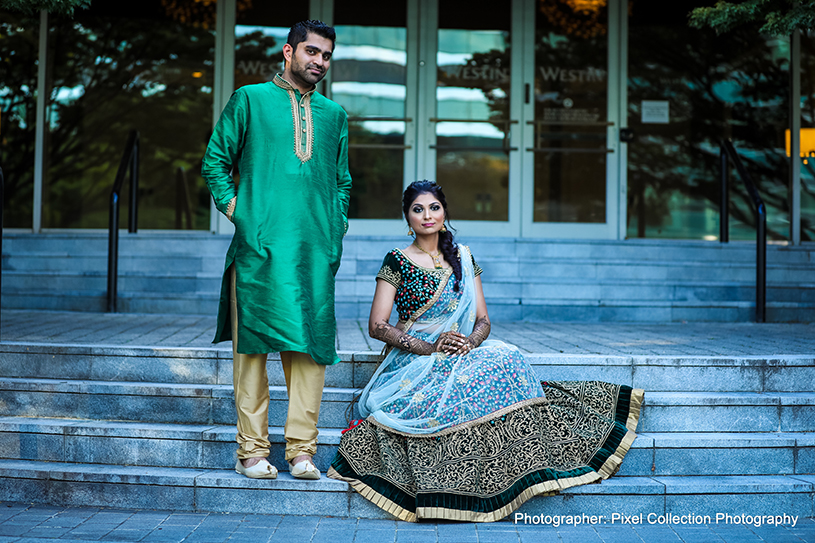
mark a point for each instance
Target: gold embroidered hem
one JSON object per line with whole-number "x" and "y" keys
{"x": 637, "y": 397}
{"x": 484, "y": 470}
{"x": 230, "y": 208}
{"x": 374, "y": 497}
{"x": 302, "y": 119}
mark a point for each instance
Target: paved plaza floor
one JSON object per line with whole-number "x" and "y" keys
{"x": 21, "y": 523}
{"x": 632, "y": 339}
{"x": 26, "y": 523}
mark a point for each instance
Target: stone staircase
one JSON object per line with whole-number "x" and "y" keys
{"x": 530, "y": 280}
{"x": 141, "y": 427}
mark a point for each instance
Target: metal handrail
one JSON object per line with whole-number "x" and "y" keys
{"x": 729, "y": 154}
{"x": 182, "y": 200}
{"x": 130, "y": 161}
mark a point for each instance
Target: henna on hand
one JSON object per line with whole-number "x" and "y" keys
{"x": 481, "y": 331}
{"x": 450, "y": 342}
{"x": 401, "y": 340}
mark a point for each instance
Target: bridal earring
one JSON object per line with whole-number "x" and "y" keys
{"x": 410, "y": 231}
{"x": 443, "y": 228}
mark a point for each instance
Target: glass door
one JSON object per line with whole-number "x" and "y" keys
{"x": 570, "y": 120}
{"x": 471, "y": 112}
{"x": 368, "y": 78}
{"x": 472, "y": 122}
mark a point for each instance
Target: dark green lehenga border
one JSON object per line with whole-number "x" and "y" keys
{"x": 476, "y": 504}
{"x": 404, "y": 506}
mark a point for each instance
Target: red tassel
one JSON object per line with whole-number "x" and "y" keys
{"x": 354, "y": 424}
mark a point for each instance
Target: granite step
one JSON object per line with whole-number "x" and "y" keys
{"x": 496, "y": 269}
{"x": 213, "y": 366}
{"x": 213, "y": 447}
{"x": 153, "y": 402}
{"x": 532, "y": 280}
{"x": 206, "y": 366}
{"x": 95, "y": 301}
{"x": 529, "y": 288}
{"x": 504, "y": 309}
{"x": 213, "y": 404}
{"x": 372, "y": 248}
{"x": 633, "y": 311}
{"x": 178, "y": 281}
{"x": 140, "y": 487}
{"x": 189, "y": 446}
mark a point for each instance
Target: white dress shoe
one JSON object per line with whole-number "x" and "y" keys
{"x": 261, "y": 470}
{"x": 305, "y": 470}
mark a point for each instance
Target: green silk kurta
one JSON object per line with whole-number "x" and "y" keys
{"x": 290, "y": 215}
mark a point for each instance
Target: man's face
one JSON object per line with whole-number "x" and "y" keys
{"x": 311, "y": 59}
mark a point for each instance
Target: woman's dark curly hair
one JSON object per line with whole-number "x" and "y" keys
{"x": 446, "y": 244}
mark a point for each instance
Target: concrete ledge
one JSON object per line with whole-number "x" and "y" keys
{"x": 213, "y": 447}
{"x": 213, "y": 366}
{"x": 225, "y": 491}
{"x": 213, "y": 404}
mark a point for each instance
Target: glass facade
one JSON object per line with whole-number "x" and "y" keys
{"x": 472, "y": 110}
{"x": 117, "y": 67}
{"x": 688, "y": 89}
{"x": 571, "y": 89}
{"x": 369, "y": 79}
{"x": 261, "y": 29}
{"x": 516, "y": 109}
{"x": 19, "y": 38}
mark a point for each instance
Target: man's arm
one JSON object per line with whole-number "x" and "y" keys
{"x": 222, "y": 153}
{"x": 343, "y": 175}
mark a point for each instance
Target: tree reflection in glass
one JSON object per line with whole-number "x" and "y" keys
{"x": 571, "y": 82}
{"x": 18, "y": 84}
{"x": 734, "y": 86}
{"x": 472, "y": 105}
{"x": 117, "y": 67}
{"x": 369, "y": 80}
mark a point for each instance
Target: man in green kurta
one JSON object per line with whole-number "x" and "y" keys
{"x": 289, "y": 145}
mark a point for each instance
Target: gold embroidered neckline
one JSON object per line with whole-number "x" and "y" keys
{"x": 435, "y": 270}
{"x": 285, "y": 85}
{"x": 303, "y": 123}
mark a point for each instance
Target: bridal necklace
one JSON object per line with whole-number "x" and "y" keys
{"x": 436, "y": 261}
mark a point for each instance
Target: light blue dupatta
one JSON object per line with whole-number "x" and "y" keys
{"x": 427, "y": 394}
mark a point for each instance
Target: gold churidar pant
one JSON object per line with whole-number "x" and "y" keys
{"x": 304, "y": 384}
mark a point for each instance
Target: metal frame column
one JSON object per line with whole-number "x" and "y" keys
{"x": 795, "y": 138}
{"x": 39, "y": 141}
{"x": 620, "y": 19}
{"x": 224, "y": 85}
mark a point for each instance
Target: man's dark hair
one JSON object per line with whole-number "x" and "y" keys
{"x": 299, "y": 32}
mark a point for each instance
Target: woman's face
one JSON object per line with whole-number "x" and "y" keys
{"x": 426, "y": 215}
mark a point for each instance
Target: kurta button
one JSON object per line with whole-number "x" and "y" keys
{"x": 304, "y": 130}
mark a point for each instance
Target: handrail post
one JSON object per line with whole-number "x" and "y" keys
{"x": 761, "y": 264}
{"x": 724, "y": 201}
{"x": 133, "y": 214}
{"x": 113, "y": 252}
{"x": 130, "y": 161}
{"x": 179, "y": 194}
{"x": 729, "y": 153}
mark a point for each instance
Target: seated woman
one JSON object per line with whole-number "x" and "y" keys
{"x": 458, "y": 426}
